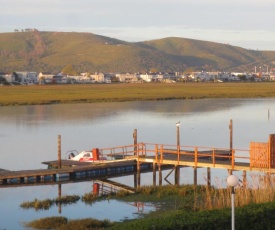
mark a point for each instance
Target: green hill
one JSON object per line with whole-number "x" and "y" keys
{"x": 52, "y": 51}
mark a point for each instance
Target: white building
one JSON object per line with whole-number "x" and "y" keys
{"x": 98, "y": 77}
{"x": 152, "y": 77}
{"x": 81, "y": 79}
{"x": 27, "y": 78}
{"x": 9, "y": 77}
{"x": 127, "y": 77}
{"x": 45, "y": 78}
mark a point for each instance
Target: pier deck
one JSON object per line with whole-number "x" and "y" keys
{"x": 144, "y": 156}
{"x": 78, "y": 170}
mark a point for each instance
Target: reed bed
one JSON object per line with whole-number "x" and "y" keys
{"x": 63, "y": 223}
{"x": 259, "y": 189}
{"x": 47, "y": 203}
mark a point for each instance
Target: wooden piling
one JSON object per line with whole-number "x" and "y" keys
{"x": 59, "y": 151}
{"x": 195, "y": 176}
{"x": 138, "y": 175}
{"x": 208, "y": 177}
{"x": 160, "y": 174}
{"x": 135, "y": 141}
{"x": 177, "y": 175}
{"x": 154, "y": 174}
{"x": 244, "y": 179}
{"x": 231, "y": 136}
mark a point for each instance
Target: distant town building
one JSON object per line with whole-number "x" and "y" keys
{"x": 27, "y": 78}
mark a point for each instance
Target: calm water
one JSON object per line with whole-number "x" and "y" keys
{"x": 28, "y": 136}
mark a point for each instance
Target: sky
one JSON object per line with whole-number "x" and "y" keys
{"x": 245, "y": 23}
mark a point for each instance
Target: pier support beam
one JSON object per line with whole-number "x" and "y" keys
{"x": 244, "y": 179}
{"x": 177, "y": 175}
{"x": 160, "y": 174}
{"x": 137, "y": 176}
{"x": 208, "y": 177}
{"x": 154, "y": 174}
{"x": 195, "y": 176}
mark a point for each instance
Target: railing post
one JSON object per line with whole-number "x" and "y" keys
{"x": 196, "y": 156}
{"x": 233, "y": 159}
{"x": 213, "y": 156}
{"x": 161, "y": 154}
{"x": 156, "y": 151}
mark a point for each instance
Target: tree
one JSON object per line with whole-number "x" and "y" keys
{"x": 16, "y": 77}
{"x": 69, "y": 70}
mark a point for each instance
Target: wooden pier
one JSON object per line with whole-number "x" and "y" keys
{"x": 141, "y": 157}
{"x": 72, "y": 171}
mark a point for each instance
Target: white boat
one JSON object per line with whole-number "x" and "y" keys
{"x": 85, "y": 156}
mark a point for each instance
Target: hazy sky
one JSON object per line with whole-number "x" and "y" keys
{"x": 245, "y": 23}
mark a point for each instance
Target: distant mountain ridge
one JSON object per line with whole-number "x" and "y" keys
{"x": 52, "y": 51}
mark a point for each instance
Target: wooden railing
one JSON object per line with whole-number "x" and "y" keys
{"x": 260, "y": 155}
{"x": 161, "y": 153}
{"x": 164, "y": 152}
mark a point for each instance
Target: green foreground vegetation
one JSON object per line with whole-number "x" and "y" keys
{"x": 183, "y": 207}
{"x": 54, "y": 94}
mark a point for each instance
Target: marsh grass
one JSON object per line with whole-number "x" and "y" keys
{"x": 48, "y": 223}
{"x": 54, "y": 94}
{"x": 63, "y": 223}
{"x": 47, "y": 203}
{"x": 200, "y": 205}
{"x": 259, "y": 189}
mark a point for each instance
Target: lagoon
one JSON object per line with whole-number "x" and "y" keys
{"x": 28, "y": 136}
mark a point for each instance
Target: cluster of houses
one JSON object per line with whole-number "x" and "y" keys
{"x": 29, "y": 78}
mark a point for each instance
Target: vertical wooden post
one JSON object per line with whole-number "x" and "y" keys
{"x": 135, "y": 141}
{"x": 244, "y": 179}
{"x": 195, "y": 176}
{"x": 208, "y": 177}
{"x": 177, "y": 175}
{"x": 160, "y": 174}
{"x": 154, "y": 174}
{"x": 135, "y": 179}
{"x": 59, "y": 151}
{"x": 178, "y": 133}
{"x": 231, "y": 136}
{"x": 178, "y": 140}
{"x": 138, "y": 174}
{"x": 271, "y": 143}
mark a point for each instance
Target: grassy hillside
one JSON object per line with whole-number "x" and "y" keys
{"x": 52, "y": 51}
